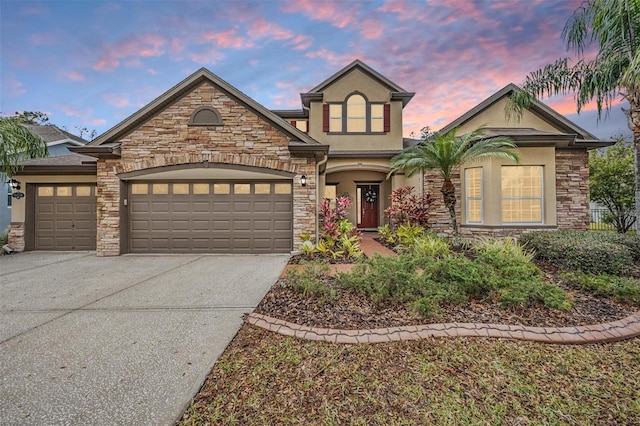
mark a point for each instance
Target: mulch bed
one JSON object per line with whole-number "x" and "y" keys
{"x": 354, "y": 311}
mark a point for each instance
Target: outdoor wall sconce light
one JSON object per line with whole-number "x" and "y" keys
{"x": 303, "y": 180}
{"x": 15, "y": 185}
{"x": 15, "y": 188}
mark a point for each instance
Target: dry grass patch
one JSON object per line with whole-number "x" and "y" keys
{"x": 265, "y": 378}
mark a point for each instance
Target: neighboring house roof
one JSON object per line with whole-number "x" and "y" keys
{"x": 537, "y": 107}
{"x": 53, "y": 135}
{"x": 111, "y": 137}
{"x": 397, "y": 92}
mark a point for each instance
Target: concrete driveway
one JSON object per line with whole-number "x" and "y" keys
{"x": 118, "y": 340}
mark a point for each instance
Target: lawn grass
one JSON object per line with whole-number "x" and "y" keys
{"x": 265, "y": 378}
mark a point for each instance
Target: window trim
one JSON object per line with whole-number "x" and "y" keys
{"x": 367, "y": 118}
{"x": 541, "y": 197}
{"x": 467, "y": 198}
{"x": 217, "y": 121}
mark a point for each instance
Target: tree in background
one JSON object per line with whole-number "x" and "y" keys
{"x": 614, "y": 27}
{"x": 31, "y": 117}
{"x": 17, "y": 143}
{"x": 445, "y": 153}
{"x": 611, "y": 179}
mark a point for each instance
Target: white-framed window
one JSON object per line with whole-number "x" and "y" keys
{"x": 356, "y": 114}
{"x": 522, "y": 194}
{"x": 335, "y": 117}
{"x": 473, "y": 195}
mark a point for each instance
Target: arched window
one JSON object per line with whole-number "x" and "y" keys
{"x": 356, "y": 114}
{"x": 205, "y": 116}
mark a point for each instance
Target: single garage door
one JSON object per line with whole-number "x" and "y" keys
{"x": 210, "y": 217}
{"x": 65, "y": 216}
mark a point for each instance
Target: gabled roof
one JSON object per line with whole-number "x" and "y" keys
{"x": 537, "y": 107}
{"x": 53, "y": 135}
{"x": 397, "y": 92}
{"x": 199, "y": 77}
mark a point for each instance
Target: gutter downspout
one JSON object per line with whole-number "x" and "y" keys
{"x": 320, "y": 163}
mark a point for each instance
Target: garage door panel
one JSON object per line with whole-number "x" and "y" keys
{"x": 200, "y": 225}
{"x": 201, "y": 207}
{"x": 159, "y": 225}
{"x": 221, "y": 220}
{"x": 140, "y": 207}
{"x": 262, "y": 225}
{"x": 160, "y": 206}
{"x": 64, "y": 225}
{"x": 282, "y": 206}
{"x": 220, "y": 225}
{"x": 44, "y": 208}
{"x": 281, "y": 243}
{"x": 242, "y": 207}
{"x": 282, "y": 225}
{"x": 222, "y": 206}
{"x": 241, "y": 225}
{"x": 65, "y": 217}
{"x": 64, "y": 208}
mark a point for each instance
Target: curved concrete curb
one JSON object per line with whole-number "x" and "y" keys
{"x": 626, "y": 328}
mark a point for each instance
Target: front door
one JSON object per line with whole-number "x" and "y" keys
{"x": 368, "y": 200}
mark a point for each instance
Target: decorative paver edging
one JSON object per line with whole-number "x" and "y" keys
{"x": 626, "y": 328}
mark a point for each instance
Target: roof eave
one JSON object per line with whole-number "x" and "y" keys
{"x": 105, "y": 152}
{"x": 85, "y": 169}
{"x": 298, "y": 149}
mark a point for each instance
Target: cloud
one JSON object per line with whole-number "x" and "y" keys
{"x": 13, "y": 86}
{"x": 120, "y": 101}
{"x": 131, "y": 47}
{"x": 227, "y": 39}
{"x": 260, "y": 28}
{"x": 75, "y": 76}
{"x": 371, "y": 28}
{"x": 337, "y": 13}
{"x": 301, "y": 42}
{"x": 333, "y": 58}
{"x": 43, "y": 39}
{"x": 33, "y": 11}
{"x": 84, "y": 115}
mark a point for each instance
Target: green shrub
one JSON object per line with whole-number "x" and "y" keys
{"x": 621, "y": 288}
{"x": 431, "y": 245}
{"x": 383, "y": 278}
{"x": 460, "y": 277}
{"x": 591, "y": 252}
{"x": 308, "y": 280}
{"x": 387, "y": 234}
{"x": 407, "y": 234}
{"x": 523, "y": 294}
{"x": 4, "y": 238}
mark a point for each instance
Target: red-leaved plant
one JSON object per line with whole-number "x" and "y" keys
{"x": 408, "y": 208}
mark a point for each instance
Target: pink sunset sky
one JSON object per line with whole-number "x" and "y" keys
{"x": 93, "y": 63}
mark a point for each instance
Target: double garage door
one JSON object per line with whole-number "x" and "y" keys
{"x": 210, "y": 217}
{"x": 65, "y": 217}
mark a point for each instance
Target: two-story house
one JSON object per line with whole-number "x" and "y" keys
{"x": 205, "y": 168}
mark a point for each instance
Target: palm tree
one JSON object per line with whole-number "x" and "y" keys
{"x": 17, "y": 143}
{"x": 446, "y": 153}
{"x": 613, "y": 26}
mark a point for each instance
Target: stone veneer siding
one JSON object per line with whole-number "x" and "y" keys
{"x": 572, "y": 200}
{"x": 245, "y": 139}
{"x": 16, "y": 236}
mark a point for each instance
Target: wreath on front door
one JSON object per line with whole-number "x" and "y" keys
{"x": 370, "y": 195}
